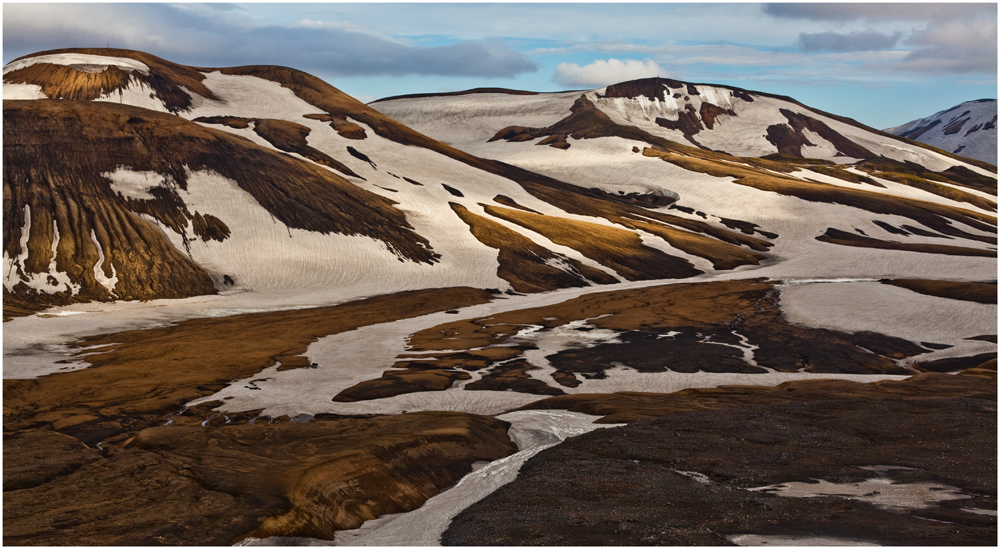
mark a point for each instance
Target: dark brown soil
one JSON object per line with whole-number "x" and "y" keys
{"x": 344, "y": 128}
{"x": 512, "y": 376}
{"x": 399, "y": 382}
{"x": 915, "y": 133}
{"x": 843, "y": 238}
{"x": 289, "y": 137}
{"x": 932, "y": 187}
{"x": 650, "y": 88}
{"x": 982, "y": 361}
{"x": 844, "y": 146}
{"x": 636, "y": 485}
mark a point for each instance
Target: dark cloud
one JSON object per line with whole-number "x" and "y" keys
{"x": 880, "y": 12}
{"x": 187, "y": 35}
{"x": 842, "y": 42}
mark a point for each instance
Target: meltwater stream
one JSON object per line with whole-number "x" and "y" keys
{"x": 532, "y": 431}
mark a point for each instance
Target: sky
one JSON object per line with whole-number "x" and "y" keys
{"x": 881, "y": 64}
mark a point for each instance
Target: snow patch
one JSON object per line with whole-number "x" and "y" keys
{"x": 133, "y": 184}
{"x": 87, "y": 62}
{"x": 109, "y": 283}
{"x": 13, "y": 92}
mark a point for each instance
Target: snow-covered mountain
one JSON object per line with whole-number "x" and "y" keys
{"x": 968, "y": 129}
{"x": 131, "y": 177}
{"x": 725, "y": 153}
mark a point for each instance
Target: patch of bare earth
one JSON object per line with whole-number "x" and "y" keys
{"x": 685, "y": 475}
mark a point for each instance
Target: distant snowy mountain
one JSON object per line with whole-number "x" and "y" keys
{"x": 968, "y": 129}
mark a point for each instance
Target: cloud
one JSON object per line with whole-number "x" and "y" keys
{"x": 953, "y": 47}
{"x": 880, "y": 12}
{"x": 202, "y": 36}
{"x": 601, "y": 72}
{"x": 868, "y": 40}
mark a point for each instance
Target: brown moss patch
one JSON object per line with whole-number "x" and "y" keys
{"x": 209, "y": 227}
{"x": 845, "y": 175}
{"x": 978, "y": 292}
{"x": 983, "y": 361}
{"x": 523, "y": 263}
{"x": 510, "y": 202}
{"x": 723, "y": 256}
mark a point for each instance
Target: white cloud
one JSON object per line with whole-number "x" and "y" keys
{"x": 601, "y": 72}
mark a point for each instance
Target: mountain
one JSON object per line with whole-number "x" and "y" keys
{"x": 132, "y": 177}
{"x": 969, "y": 129}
